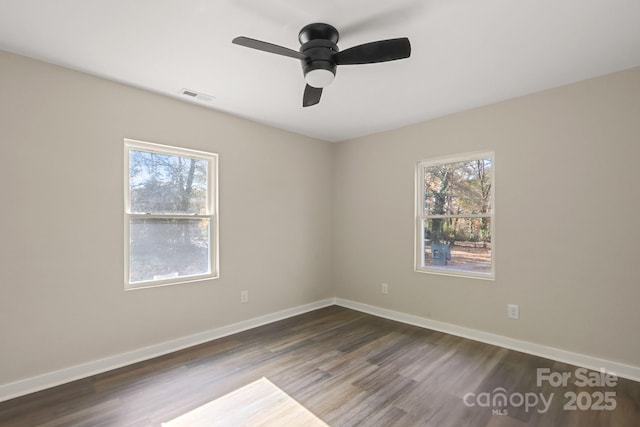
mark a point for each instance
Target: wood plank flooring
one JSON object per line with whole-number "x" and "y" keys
{"x": 346, "y": 367}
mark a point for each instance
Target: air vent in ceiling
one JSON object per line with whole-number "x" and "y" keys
{"x": 196, "y": 95}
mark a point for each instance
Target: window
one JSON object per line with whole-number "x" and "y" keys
{"x": 171, "y": 224}
{"x": 454, "y": 215}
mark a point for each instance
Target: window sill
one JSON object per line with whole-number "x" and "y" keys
{"x": 456, "y": 273}
{"x": 174, "y": 281}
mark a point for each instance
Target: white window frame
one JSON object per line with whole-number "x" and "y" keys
{"x": 419, "y": 246}
{"x": 211, "y": 214}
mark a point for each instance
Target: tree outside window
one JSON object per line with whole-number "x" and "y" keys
{"x": 170, "y": 215}
{"x": 455, "y": 215}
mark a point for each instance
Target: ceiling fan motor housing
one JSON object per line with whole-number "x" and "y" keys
{"x": 319, "y": 47}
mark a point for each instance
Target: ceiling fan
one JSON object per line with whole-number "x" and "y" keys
{"x": 320, "y": 56}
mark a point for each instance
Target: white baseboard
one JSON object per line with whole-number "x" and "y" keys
{"x": 619, "y": 369}
{"x": 62, "y": 376}
{"x": 52, "y": 379}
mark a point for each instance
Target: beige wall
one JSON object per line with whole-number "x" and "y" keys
{"x": 303, "y": 220}
{"x": 567, "y": 167}
{"x": 61, "y": 222}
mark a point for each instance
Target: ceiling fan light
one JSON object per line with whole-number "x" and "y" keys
{"x": 319, "y": 77}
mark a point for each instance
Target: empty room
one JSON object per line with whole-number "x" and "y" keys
{"x": 359, "y": 213}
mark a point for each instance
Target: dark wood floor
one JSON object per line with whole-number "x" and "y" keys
{"x": 348, "y": 368}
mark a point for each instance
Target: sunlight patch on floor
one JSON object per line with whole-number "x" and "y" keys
{"x": 260, "y": 403}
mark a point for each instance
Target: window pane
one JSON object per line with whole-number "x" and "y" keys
{"x": 462, "y": 244}
{"x": 165, "y": 248}
{"x": 165, "y": 184}
{"x": 460, "y": 188}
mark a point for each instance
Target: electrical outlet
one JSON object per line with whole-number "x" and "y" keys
{"x": 244, "y": 297}
{"x": 513, "y": 311}
{"x": 384, "y": 288}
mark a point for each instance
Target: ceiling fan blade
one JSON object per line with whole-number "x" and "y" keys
{"x": 380, "y": 51}
{"x": 311, "y": 96}
{"x": 267, "y": 47}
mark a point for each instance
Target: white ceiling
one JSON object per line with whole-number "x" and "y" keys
{"x": 465, "y": 53}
